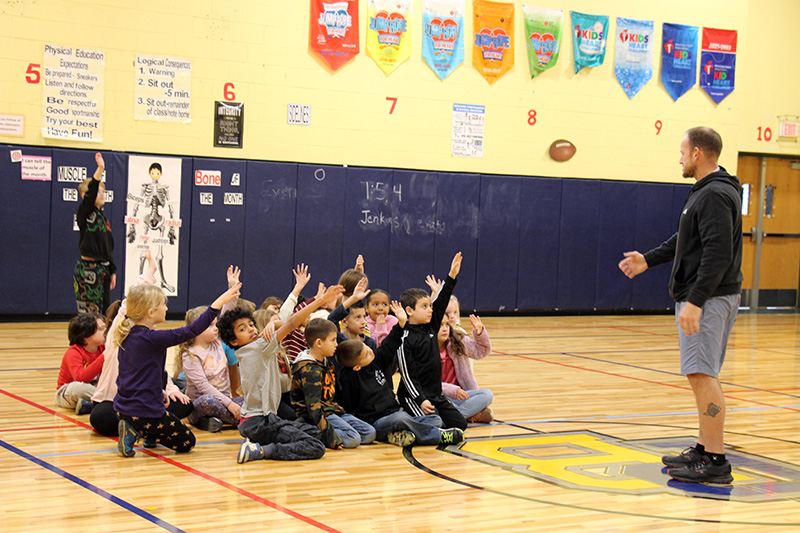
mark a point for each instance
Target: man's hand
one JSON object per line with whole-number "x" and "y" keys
{"x": 633, "y": 264}
{"x": 689, "y": 318}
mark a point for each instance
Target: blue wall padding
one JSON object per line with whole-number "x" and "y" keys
{"x": 617, "y": 230}
{"x": 270, "y": 208}
{"x": 654, "y": 225}
{"x": 540, "y": 235}
{"x": 529, "y": 243}
{"x": 368, "y": 222}
{"x": 217, "y": 236}
{"x": 319, "y": 220}
{"x": 498, "y": 243}
{"x": 413, "y": 205}
{"x": 458, "y": 220}
{"x": 577, "y": 263}
{"x": 25, "y": 237}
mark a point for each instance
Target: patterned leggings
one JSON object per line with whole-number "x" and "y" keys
{"x": 92, "y": 281}
{"x": 208, "y": 405}
{"x": 168, "y": 431}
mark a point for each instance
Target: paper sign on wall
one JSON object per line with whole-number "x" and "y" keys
{"x": 37, "y": 168}
{"x": 163, "y": 89}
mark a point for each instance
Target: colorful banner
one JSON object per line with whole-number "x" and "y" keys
{"x": 493, "y": 43}
{"x": 718, "y": 63}
{"x": 389, "y": 33}
{"x": 679, "y": 58}
{"x": 634, "y": 54}
{"x": 589, "y": 34}
{"x": 443, "y": 35}
{"x": 333, "y": 34}
{"x": 542, "y": 36}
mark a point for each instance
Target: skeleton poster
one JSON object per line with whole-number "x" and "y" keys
{"x": 152, "y": 219}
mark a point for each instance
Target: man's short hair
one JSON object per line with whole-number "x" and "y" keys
{"x": 81, "y": 327}
{"x": 348, "y": 352}
{"x": 410, "y": 297}
{"x": 226, "y": 321}
{"x": 706, "y": 139}
{"x": 319, "y": 328}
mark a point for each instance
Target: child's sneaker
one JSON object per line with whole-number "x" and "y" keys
{"x": 127, "y": 438}
{"x": 83, "y": 407}
{"x": 150, "y": 442}
{"x": 212, "y": 424}
{"x": 401, "y": 438}
{"x": 451, "y": 436}
{"x": 484, "y": 417}
{"x": 249, "y": 451}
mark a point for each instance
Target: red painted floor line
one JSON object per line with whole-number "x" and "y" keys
{"x": 208, "y": 477}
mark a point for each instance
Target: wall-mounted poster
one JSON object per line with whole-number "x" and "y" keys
{"x": 718, "y": 63}
{"x": 589, "y": 35}
{"x": 493, "y": 44}
{"x": 678, "y": 58}
{"x": 542, "y": 37}
{"x": 228, "y": 124}
{"x": 163, "y": 89}
{"x": 72, "y": 95}
{"x": 153, "y": 218}
{"x": 443, "y": 35}
{"x": 333, "y": 34}
{"x": 389, "y": 33}
{"x": 633, "y": 63}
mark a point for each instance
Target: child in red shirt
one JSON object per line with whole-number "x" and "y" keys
{"x": 82, "y": 363}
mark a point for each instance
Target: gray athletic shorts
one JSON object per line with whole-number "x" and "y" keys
{"x": 704, "y": 352}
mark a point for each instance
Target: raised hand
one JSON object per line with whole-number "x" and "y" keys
{"x": 433, "y": 283}
{"x": 360, "y": 263}
{"x": 301, "y": 276}
{"x": 477, "y": 325}
{"x": 331, "y": 294}
{"x": 361, "y": 291}
{"x": 455, "y": 266}
{"x": 233, "y": 275}
{"x": 399, "y": 312}
{"x": 227, "y": 296}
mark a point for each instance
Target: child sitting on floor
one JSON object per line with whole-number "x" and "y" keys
{"x": 82, "y": 363}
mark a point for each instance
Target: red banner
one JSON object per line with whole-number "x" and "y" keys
{"x": 333, "y": 33}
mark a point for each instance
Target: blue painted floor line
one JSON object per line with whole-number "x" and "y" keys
{"x": 92, "y": 488}
{"x": 115, "y": 450}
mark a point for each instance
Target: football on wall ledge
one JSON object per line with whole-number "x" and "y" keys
{"x": 562, "y": 150}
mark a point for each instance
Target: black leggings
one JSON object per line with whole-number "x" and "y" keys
{"x": 104, "y": 419}
{"x": 168, "y": 431}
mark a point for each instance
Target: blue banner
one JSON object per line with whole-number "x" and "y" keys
{"x": 679, "y": 58}
{"x": 718, "y": 63}
{"x": 443, "y": 35}
{"x": 634, "y": 54}
{"x": 589, "y": 33}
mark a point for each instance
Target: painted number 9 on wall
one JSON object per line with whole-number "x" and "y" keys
{"x": 298, "y": 114}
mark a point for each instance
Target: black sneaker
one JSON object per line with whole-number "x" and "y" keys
{"x": 704, "y": 471}
{"x": 212, "y": 424}
{"x": 687, "y": 457}
{"x": 83, "y": 407}
{"x": 451, "y": 436}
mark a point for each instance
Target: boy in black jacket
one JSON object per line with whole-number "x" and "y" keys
{"x": 420, "y": 390}
{"x": 365, "y": 380}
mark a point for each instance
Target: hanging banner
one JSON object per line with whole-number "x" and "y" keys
{"x": 543, "y": 37}
{"x": 153, "y": 218}
{"x": 589, "y": 34}
{"x": 333, "y": 34}
{"x": 679, "y": 58}
{"x": 443, "y": 35}
{"x": 718, "y": 63}
{"x": 493, "y": 45}
{"x": 389, "y": 33}
{"x": 72, "y": 95}
{"x": 634, "y": 54}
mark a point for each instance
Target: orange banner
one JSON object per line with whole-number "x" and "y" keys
{"x": 493, "y": 42}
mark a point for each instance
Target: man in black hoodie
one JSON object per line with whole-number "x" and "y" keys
{"x": 706, "y": 283}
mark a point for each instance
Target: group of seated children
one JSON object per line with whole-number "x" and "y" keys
{"x": 314, "y": 373}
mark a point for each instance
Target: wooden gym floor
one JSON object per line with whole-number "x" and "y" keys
{"x": 585, "y": 407}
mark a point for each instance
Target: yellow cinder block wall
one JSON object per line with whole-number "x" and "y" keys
{"x": 261, "y": 46}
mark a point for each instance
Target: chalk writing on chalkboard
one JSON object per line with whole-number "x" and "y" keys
{"x": 382, "y": 192}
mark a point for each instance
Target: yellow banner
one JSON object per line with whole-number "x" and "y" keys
{"x": 389, "y": 33}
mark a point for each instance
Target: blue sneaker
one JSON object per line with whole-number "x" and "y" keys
{"x": 249, "y": 451}
{"x": 127, "y": 438}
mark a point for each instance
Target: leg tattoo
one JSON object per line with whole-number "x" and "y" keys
{"x": 712, "y": 410}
